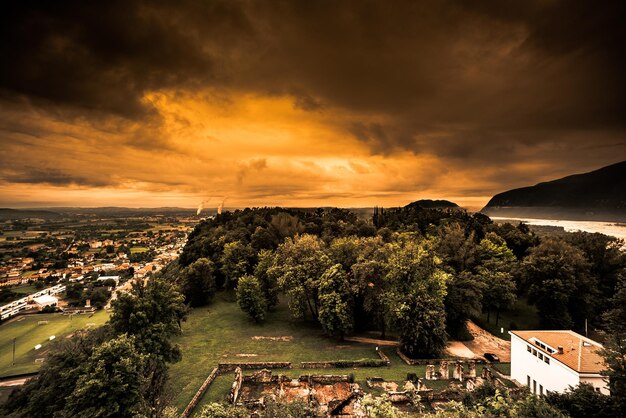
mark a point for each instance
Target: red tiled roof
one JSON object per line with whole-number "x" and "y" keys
{"x": 579, "y": 353}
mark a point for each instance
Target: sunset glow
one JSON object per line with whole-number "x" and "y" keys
{"x": 299, "y": 105}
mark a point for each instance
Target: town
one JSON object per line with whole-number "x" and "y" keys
{"x": 85, "y": 256}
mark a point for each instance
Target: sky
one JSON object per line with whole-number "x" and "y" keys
{"x": 304, "y": 103}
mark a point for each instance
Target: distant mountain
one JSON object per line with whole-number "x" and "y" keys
{"x": 10, "y": 214}
{"x": 432, "y": 204}
{"x": 597, "y": 195}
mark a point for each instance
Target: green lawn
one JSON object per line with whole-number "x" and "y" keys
{"x": 219, "y": 332}
{"x": 135, "y": 250}
{"x": 24, "y": 289}
{"x": 28, "y": 333}
{"x": 522, "y": 316}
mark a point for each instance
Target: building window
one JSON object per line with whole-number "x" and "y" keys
{"x": 541, "y": 389}
{"x": 534, "y": 352}
{"x": 540, "y": 356}
{"x": 528, "y": 348}
{"x": 546, "y": 359}
{"x": 534, "y": 386}
{"x": 528, "y": 381}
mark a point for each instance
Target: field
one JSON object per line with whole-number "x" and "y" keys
{"x": 28, "y": 333}
{"x": 222, "y": 333}
{"x": 24, "y": 289}
{"x": 135, "y": 250}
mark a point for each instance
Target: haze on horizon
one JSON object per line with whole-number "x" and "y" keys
{"x": 342, "y": 103}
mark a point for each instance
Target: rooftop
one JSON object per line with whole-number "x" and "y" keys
{"x": 579, "y": 353}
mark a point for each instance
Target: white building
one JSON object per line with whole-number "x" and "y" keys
{"x": 45, "y": 300}
{"x": 554, "y": 360}
{"x": 24, "y": 303}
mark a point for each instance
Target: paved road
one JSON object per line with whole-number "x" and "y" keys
{"x": 14, "y": 382}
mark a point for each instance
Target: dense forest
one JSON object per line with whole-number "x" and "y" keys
{"x": 434, "y": 266}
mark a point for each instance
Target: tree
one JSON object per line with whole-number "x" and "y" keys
{"x": 198, "y": 282}
{"x": 99, "y": 296}
{"x": 74, "y": 291}
{"x": 418, "y": 289}
{"x": 559, "y": 284}
{"x": 614, "y": 352}
{"x": 369, "y": 277}
{"x": 267, "y": 275}
{"x": 581, "y": 401}
{"x": 518, "y": 238}
{"x": 503, "y": 405}
{"x": 345, "y": 251}
{"x": 335, "y": 312}
{"x": 46, "y": 396}
{"x": 250, "y": 298}
{"x": 301, "y": 261}
{"x": 236, "y": 261}
{"x": 217, "y": 410}
{"x": 379, "y": 407}
{"x": 463, "y": 300}
{"x": 262, "y": 239}
{"x": 457, "y": 250}
{"x": 152, "y": 312}
{"x": 111, "y": 383}
{"x": 495, "y": 262}
{"x": 277, "y": 408}
{"x": 606, "y": 260}
{"x": 286, "y": 225}
{"x": 498, "y": 292}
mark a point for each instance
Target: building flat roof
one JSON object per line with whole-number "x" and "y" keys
{"x": 580, "y": 354}
{"x": 45, "y": 299}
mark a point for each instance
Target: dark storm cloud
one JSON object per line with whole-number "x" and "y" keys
{"x": 51, "y": 176}
{"x": 460, "y": 79}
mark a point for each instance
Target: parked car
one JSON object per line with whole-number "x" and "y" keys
{"x": 491, "y": 357}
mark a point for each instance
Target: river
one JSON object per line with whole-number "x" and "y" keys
{"x": 606, "y": 228}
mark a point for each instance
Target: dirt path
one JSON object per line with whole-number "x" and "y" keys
{"x": 14, "y": 382}
{"x": 388, "y": 343}
{"x": 485, "y": 342}
{"x": 458, "y": 349}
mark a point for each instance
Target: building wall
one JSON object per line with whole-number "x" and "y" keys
{"x": 555, "y": 377}
{"x": 597, "y": 382}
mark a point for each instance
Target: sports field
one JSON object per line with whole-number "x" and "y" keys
{"x": 30, "y": 330}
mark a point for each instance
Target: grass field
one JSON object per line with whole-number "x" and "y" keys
{"x": 219, "y": 332}
{"x": 25, "y": 289}
{"x": 28, "y": 333}
{"x": 135, "y": 250}
{"x": 522, "y": 315}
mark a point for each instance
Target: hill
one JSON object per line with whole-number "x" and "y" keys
{"x": 432, "y": 204}
{"x": 598, "y": 195}
{"x": 10, "y": 214}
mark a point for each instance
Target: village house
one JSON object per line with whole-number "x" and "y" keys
{"x": 555, "y": 360}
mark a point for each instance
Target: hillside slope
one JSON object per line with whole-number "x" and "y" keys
{"x": 597, "y": 195}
